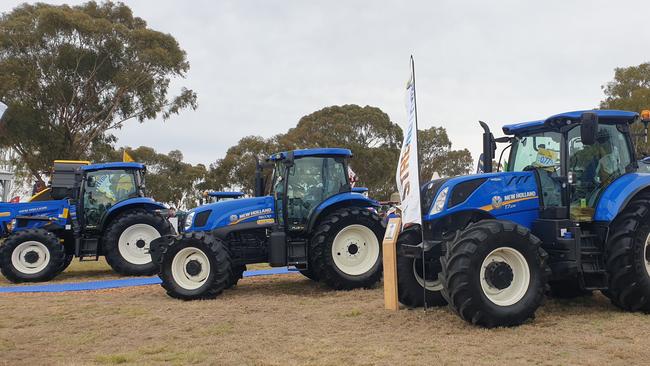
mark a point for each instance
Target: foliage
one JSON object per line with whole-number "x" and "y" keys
{"x": 70, "y": 75}
{"x": 436, "y": 155}
{"x": 168, "y": 178}
{"x": 373, "y": 138}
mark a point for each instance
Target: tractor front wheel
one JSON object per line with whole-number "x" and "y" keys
{"x": 345, "y": 249}
{"x": 196, "y": 266}
{"x": 494, "y": 274}
{"x": 628, "y": 257}
{"x": 126, "y": 242}
{"x": 413, "y": 286}
{"x": 31, "y": 255}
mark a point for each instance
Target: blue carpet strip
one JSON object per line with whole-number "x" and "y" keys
{"x": 128, "y": 282}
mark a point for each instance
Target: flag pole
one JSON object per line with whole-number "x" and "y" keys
{"x": 415, "y": 104}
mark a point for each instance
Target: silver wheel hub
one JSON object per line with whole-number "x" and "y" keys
{"x": 430, "y": 285}
{"x": 30, "y": 257}
{"x": 190, "y": 268}
{"x": 355, "y": 250}
{"x": 505, "y": 276}
{"x": 134, "y": 241}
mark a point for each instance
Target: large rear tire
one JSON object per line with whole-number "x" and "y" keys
{"x": 32, "y": 255}
{"x": 195, "y": 266}
{"x": 309, "y": 273}
{"x": 237, "y": 274}
{"x": 127, "y": 239}
{"x": 494, "y": 274}
{"x": 628, "y": 257}
{"x": 345, "y": 249}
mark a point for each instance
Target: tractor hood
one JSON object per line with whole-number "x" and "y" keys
{"x": 255, "y": 210}
{"x": 508, "y": 195}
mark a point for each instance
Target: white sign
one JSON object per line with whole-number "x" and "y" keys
{"x": 3, "y": 108}
{"x": 408, "y": 181}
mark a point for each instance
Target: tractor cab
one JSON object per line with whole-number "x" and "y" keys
{"x": 105, "y": 185}
{"x": 575, "y": 156}
{"x": 303, "y": 179}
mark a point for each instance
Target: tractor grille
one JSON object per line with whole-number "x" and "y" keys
{"x": 202, "y": 218}
{"x": 428, "y": 193}
{"x": 463, "y": 190}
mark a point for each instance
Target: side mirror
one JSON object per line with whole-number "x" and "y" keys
{"x": 588, "y": 128}
{"x": 90, "y": 182}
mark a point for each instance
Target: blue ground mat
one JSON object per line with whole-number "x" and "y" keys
{"x": 128, "y": 282}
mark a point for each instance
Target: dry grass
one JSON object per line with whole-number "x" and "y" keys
{"x": 288, "y": 320}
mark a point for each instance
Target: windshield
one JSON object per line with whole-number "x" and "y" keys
{"x": 540, "y": 150}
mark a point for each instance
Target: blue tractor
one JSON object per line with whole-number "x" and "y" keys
{"x": 309, "y": 217}
{"x": 88, "y": 211}
{"x": 570, "y": 209}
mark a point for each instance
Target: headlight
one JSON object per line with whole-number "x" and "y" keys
{"x": 439, "y": 203}
{"x": 188, "y": 220}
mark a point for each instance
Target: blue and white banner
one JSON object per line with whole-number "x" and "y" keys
{"x": 407, "y": 177}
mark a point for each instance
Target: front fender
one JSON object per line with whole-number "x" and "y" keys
{"x": 617, "y": 195}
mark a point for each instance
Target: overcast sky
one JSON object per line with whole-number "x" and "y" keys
{"x": 258, "y": 66}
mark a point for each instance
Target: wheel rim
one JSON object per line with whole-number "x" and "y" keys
{"x": 30, "y": 257}
{"x": 430, "y": 285}
{"x": 190, "y": 268}
{"x": 505, "y": 276}
{"x": 355, "y": 250}
{"x": 134, "y": 243}
{"x": 646, "y": 255}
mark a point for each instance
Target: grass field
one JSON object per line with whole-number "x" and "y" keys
{"x": 289, "y": 320}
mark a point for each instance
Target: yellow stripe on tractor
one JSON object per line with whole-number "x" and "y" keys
{"x": 37, "y": 195}
{"x": 85, "y": 162}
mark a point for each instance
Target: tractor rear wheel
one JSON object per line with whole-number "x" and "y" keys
{"x": 237, "y": 274}
{"x": 494, "y": 274}
{"x": 309, "y": 273}
{"x": 196, "y": 266}
{"x": 31, "y": 255}
{"x": 412, "y": 286}
{"x": 345, "y": 249}
{"x": 66, "y": 262}
{"x": 628, "y": 257}
{"x": 126, "y": 241}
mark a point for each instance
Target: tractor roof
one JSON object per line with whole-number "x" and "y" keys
{"x": 312, "y": 152}
{"x": 604, "y": 115}
{"x": 114, "y": 165}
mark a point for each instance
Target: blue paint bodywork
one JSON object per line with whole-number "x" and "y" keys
{"x": 614, "y": 198}
{"x": 514, "y": 194}
{"x": 113, "y": 165}
{"x": 51, "y": 209}
{"x": 605, "y": 115}
{"x": 225, "y": 194}
{"x": 140, "y": 201}
{"x": 240, "y": 211}
{"x": 312, "y": 152}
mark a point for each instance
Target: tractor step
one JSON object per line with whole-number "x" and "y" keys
{"x": 297, "y": 253}
{"x": 87, "y": 249}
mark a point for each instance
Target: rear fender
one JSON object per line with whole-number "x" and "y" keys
{"x": 337, "y": 201}
{"x": 618, "y": 194}
{"x": 143, "y": 203}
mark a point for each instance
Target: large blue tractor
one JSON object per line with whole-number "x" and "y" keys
{"x": 571, "y": 209}
{"x": 311, "y": 218}
{"x": 89, "y": 210}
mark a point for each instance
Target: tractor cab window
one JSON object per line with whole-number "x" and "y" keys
{"x": 540, "y": 152}
{"x": 311, "y": 180}
{"x": 595, "y": 166}
{"x": 103, "y": 189}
